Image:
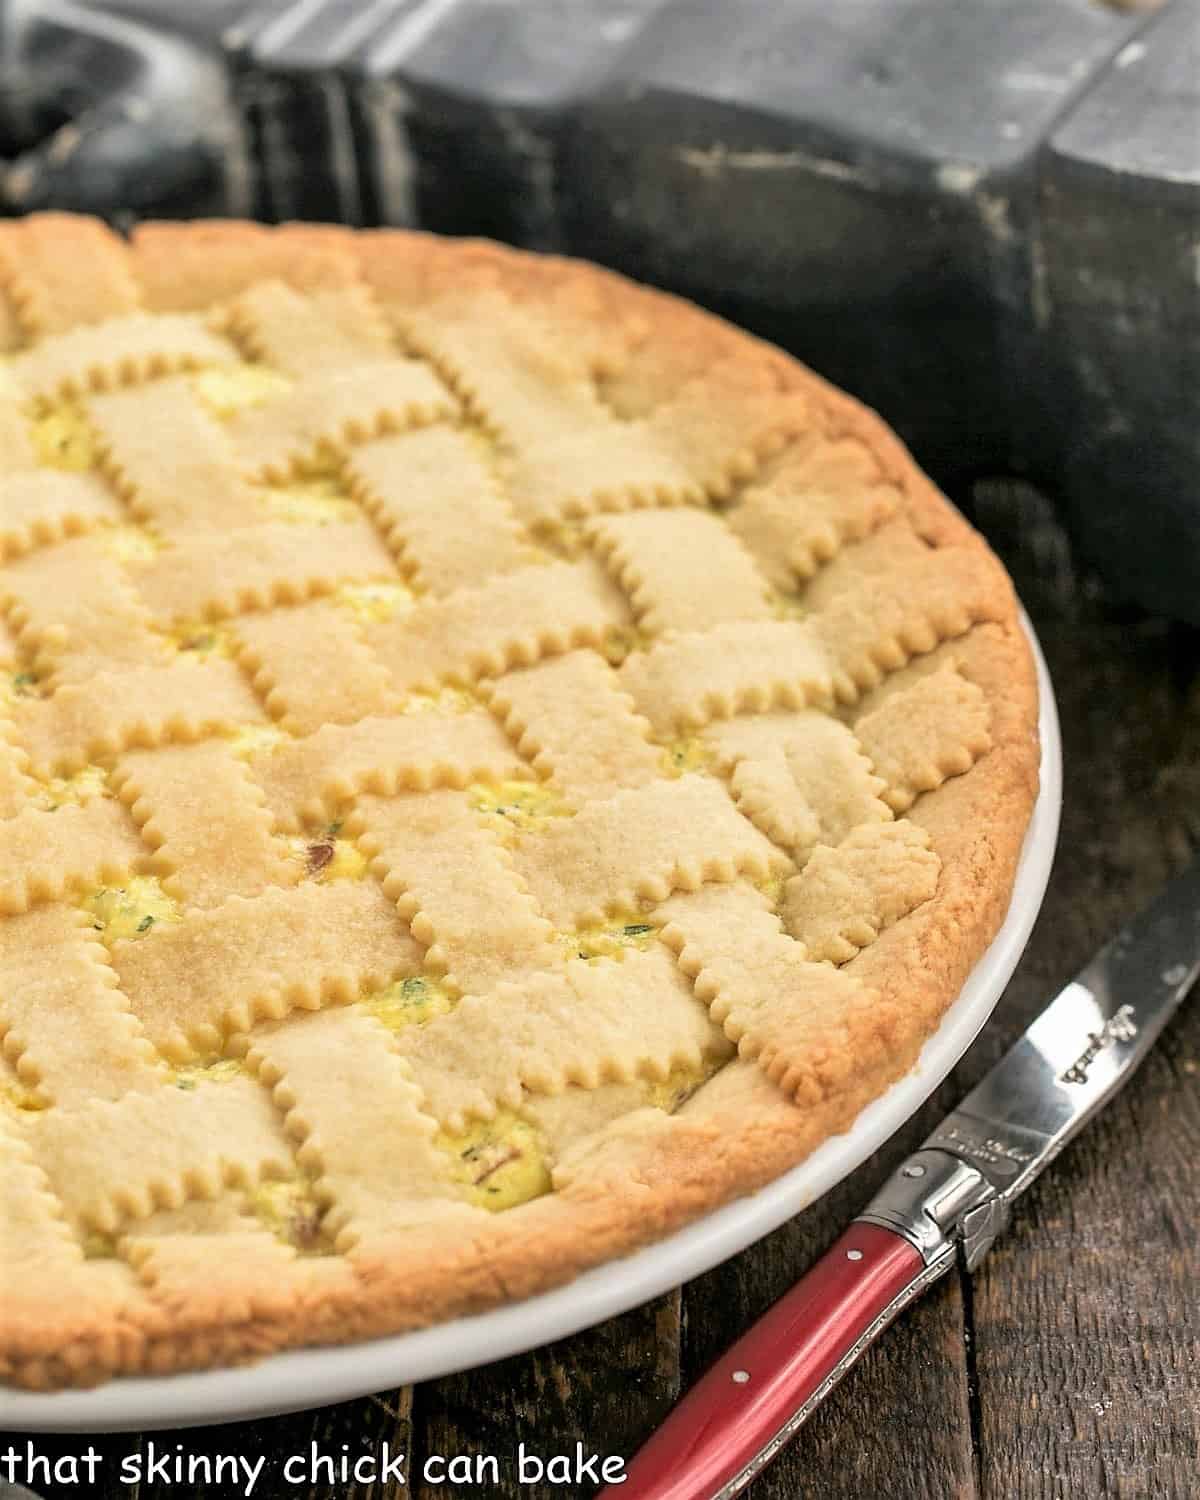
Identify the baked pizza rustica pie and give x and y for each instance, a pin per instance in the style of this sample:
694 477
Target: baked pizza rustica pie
493 763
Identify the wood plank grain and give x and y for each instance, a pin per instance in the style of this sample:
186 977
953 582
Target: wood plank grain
599 1389
1087 1337
1086 1318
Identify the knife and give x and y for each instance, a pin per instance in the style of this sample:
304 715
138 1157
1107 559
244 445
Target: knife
946 1203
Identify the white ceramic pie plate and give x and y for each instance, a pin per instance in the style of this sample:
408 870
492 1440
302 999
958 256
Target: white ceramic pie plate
315 1377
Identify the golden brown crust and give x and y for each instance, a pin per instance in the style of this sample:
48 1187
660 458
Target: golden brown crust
646 1173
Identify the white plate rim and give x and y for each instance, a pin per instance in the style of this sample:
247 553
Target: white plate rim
302 1379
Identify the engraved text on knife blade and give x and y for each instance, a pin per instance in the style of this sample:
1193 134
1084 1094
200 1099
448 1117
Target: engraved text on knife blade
1083 1046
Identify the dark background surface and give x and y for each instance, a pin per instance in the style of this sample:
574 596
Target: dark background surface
1068 1364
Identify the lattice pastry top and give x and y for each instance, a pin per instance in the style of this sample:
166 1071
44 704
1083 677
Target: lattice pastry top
493 762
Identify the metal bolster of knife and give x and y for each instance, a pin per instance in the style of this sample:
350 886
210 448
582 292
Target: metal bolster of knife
936 1200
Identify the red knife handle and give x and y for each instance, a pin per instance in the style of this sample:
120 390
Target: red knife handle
742 1411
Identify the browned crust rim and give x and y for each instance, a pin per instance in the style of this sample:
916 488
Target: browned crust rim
674 1176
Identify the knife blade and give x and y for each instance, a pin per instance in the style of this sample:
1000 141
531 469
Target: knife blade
948 1201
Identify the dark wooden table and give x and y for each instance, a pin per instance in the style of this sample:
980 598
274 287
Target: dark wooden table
1068 1364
